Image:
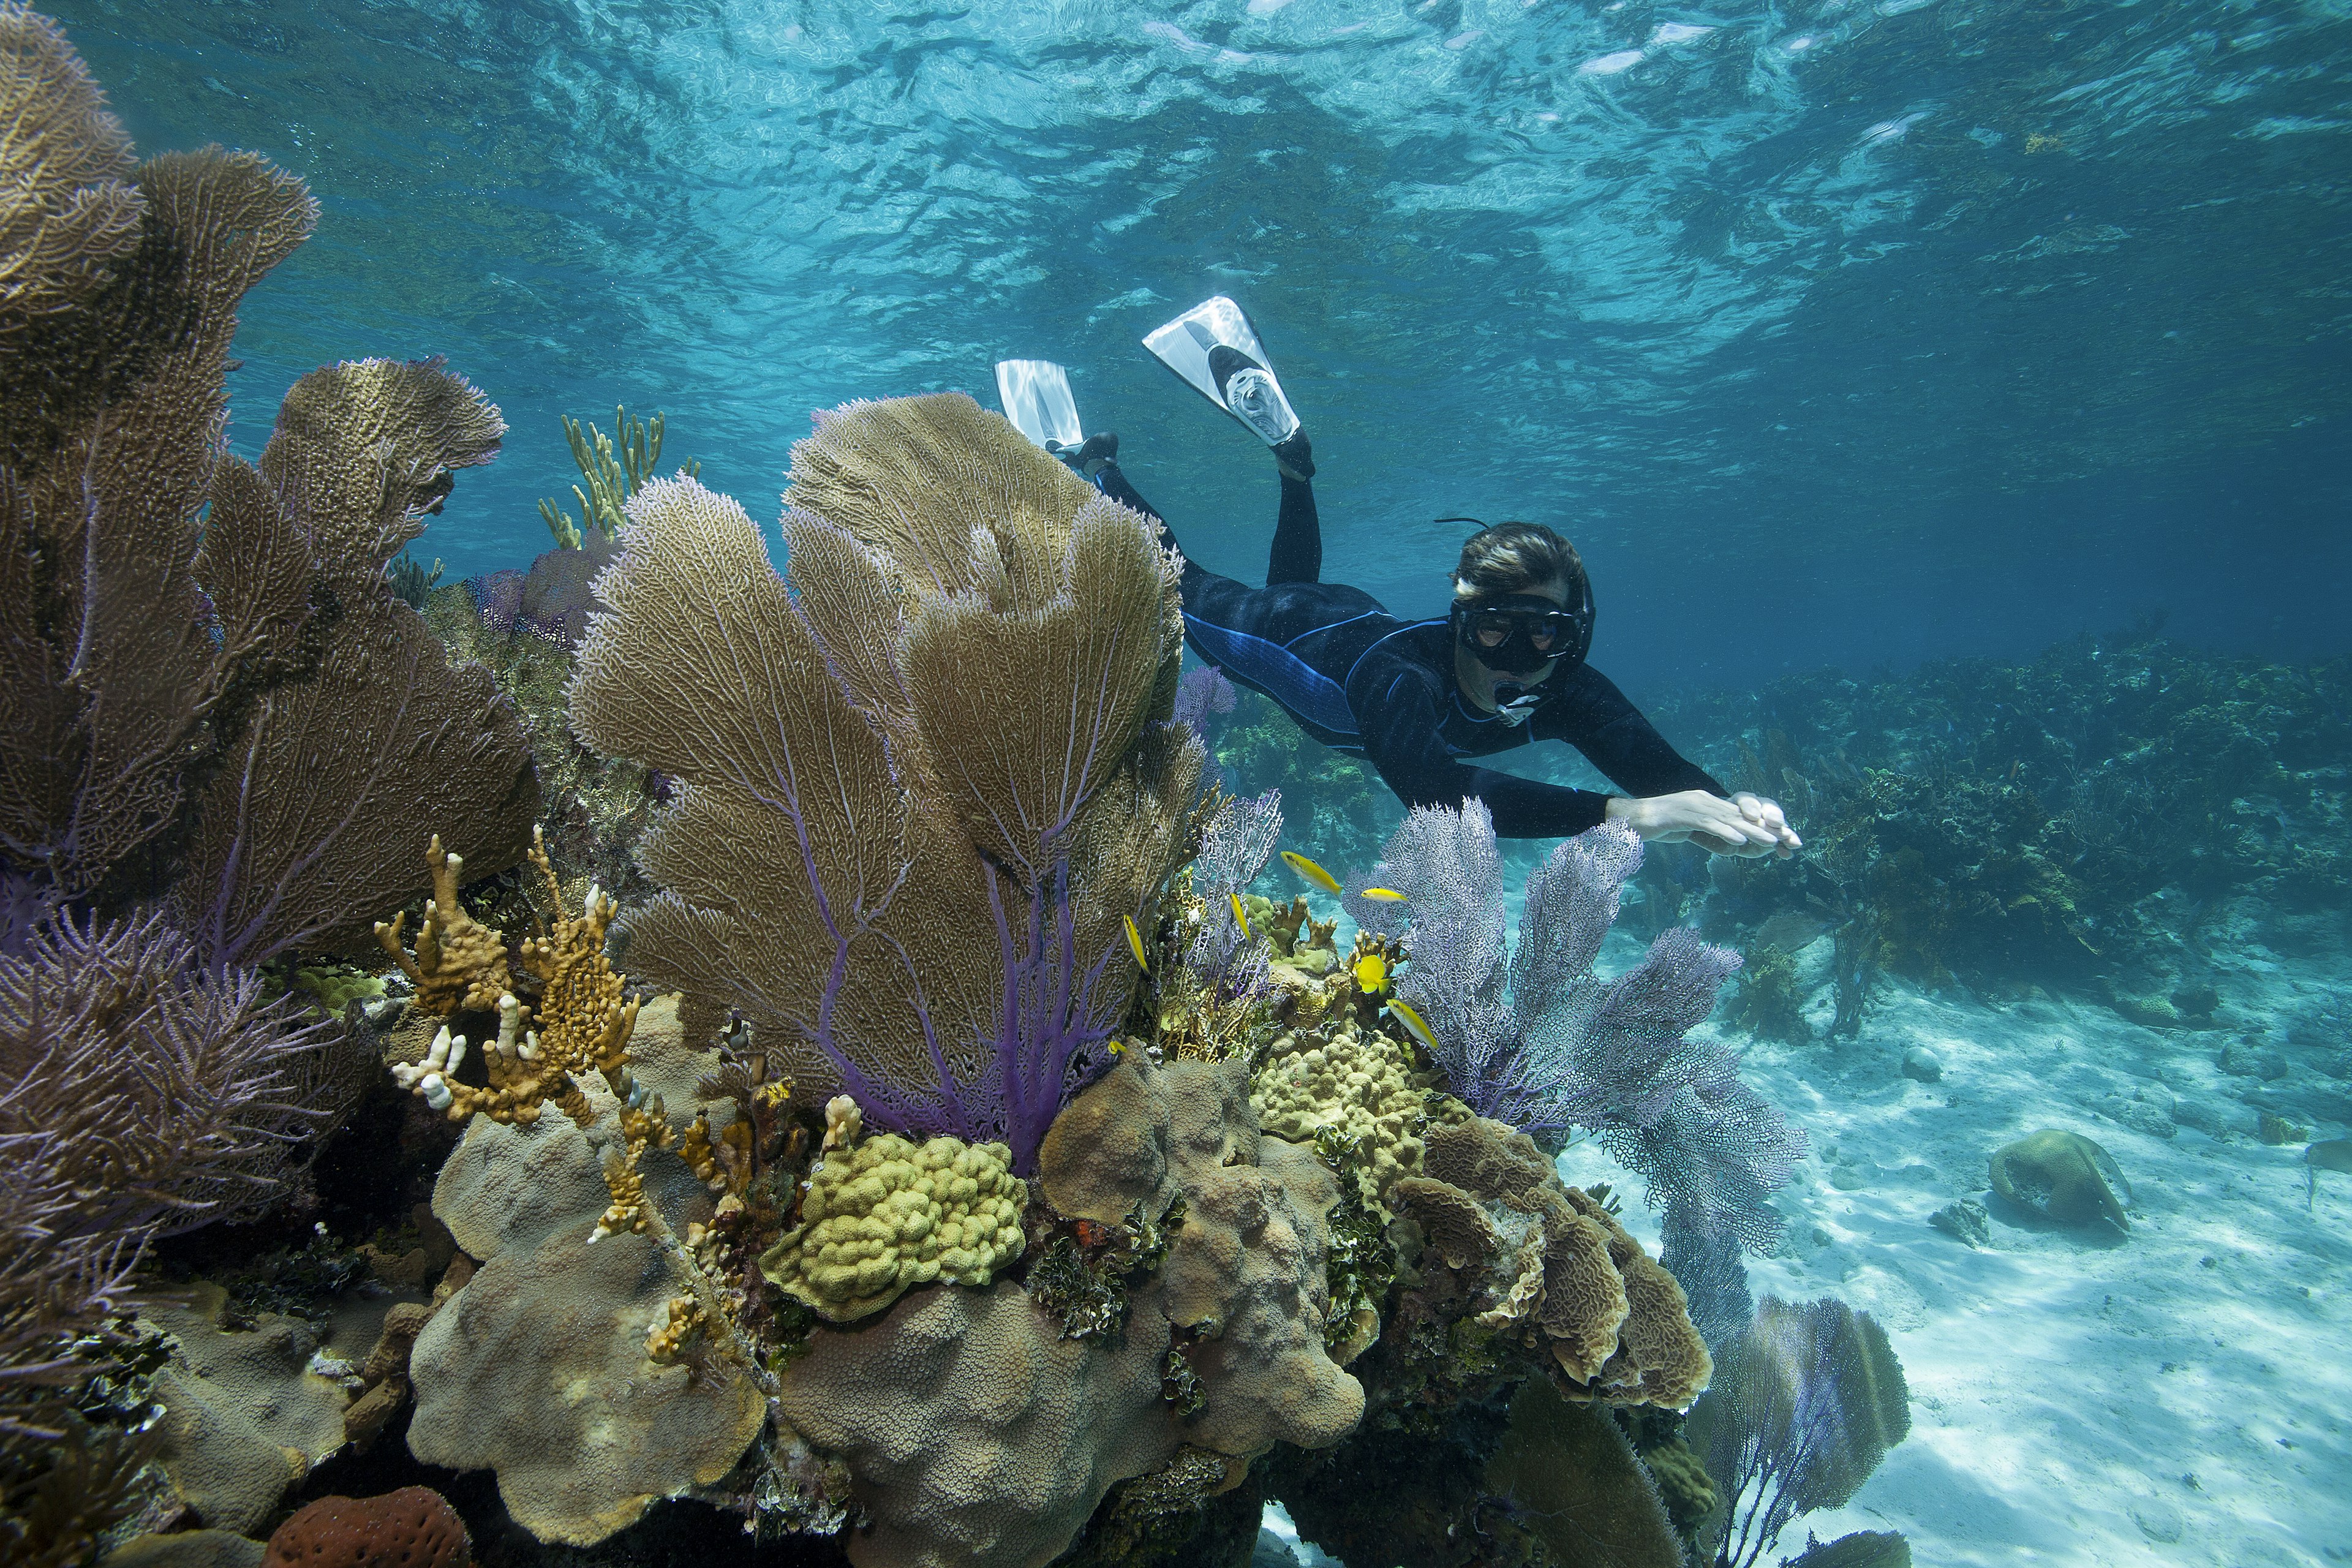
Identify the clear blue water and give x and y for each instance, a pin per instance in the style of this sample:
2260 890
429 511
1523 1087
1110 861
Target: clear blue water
1833 332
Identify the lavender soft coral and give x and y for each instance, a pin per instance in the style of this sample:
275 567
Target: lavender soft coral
1540 1041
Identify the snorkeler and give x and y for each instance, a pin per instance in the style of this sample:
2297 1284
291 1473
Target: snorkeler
1506 667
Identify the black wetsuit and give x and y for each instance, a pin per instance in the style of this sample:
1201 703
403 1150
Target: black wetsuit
1364 683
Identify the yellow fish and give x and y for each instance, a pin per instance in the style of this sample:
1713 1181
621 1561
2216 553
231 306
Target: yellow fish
1310 871
1384 895
1372 974
1411 1021
1135 944
1239 913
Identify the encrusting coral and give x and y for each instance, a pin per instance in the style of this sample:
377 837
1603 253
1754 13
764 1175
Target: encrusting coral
244 1416
554 1310
881 1214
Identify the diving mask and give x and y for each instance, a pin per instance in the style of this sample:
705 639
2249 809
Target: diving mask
1518 633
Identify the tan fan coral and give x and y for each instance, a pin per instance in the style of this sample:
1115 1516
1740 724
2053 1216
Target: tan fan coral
918 780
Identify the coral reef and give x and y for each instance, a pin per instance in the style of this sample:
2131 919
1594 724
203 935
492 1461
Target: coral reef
1244 1279
524 628
947 837
223 699
2071 821
978 1429
1804 1406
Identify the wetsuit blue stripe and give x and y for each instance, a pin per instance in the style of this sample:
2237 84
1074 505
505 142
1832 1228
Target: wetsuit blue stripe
1277 671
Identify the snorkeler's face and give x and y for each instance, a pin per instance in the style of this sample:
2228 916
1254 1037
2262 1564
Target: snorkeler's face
1516 634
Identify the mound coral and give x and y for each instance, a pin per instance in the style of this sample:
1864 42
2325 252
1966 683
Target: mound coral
883 1214
941 731
1358 1085
977 1430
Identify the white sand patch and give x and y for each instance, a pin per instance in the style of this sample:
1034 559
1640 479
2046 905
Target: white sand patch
2179 1396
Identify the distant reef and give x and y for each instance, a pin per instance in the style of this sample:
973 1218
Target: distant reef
2095 822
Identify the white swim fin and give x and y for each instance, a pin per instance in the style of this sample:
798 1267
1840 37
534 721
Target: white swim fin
1036 398
1213 347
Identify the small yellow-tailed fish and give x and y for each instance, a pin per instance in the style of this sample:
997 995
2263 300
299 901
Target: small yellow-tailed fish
1384 895
1135 944
1372 974
1239 913
1411 1021
1310 871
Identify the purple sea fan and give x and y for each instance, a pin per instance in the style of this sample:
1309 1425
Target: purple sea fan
1203 691
1565 1048
1803 1406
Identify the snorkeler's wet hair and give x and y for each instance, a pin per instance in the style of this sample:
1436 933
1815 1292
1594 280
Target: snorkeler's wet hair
1517 558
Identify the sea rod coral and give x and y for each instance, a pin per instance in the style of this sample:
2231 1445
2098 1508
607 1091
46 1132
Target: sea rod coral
921 782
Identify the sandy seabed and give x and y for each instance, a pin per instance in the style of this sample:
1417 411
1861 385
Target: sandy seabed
2179 1396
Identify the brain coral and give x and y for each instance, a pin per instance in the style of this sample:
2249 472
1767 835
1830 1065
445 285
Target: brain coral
1358 1082
976 1434
884 1214
537 1368
412 1528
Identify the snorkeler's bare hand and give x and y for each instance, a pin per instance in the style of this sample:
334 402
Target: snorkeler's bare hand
1745 825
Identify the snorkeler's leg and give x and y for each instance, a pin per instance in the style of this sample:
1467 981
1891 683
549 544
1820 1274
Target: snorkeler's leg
1298 552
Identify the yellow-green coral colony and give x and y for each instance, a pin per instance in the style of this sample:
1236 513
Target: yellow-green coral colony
883 1214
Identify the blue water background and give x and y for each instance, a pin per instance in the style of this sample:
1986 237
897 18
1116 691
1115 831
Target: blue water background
1833 332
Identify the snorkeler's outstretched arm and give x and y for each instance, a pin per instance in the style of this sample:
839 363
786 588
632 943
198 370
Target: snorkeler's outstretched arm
1401 738
1667 797
1587 710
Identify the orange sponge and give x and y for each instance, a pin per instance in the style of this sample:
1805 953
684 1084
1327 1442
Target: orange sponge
412 1528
